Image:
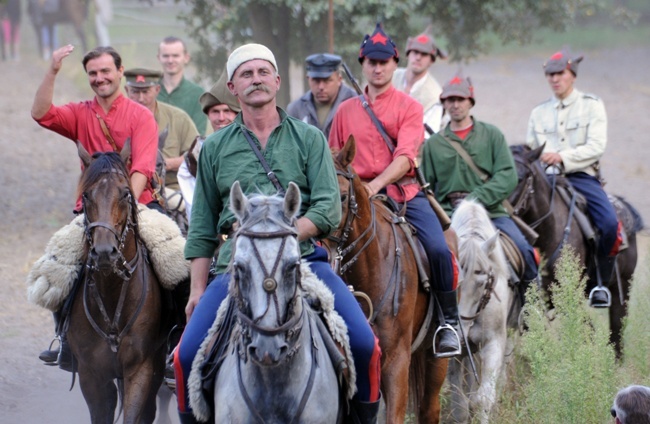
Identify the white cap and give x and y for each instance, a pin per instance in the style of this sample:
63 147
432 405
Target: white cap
247 53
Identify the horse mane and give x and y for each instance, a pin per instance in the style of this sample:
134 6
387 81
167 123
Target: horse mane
473 226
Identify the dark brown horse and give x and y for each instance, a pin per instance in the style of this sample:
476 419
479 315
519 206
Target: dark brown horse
45 14
539 204
116 327
377 259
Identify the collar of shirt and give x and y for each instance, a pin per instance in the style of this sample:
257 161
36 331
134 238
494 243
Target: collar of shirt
386 93
568 101
116 103
239 120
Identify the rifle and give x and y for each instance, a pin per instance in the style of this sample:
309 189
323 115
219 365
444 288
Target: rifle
445 222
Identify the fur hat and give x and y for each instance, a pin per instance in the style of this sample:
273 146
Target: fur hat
424 43
378 46
219 94
562 60
246 53
458 86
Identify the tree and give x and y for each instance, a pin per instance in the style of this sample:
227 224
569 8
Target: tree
293 29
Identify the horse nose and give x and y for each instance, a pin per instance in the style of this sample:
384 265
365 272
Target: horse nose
104 255
267 354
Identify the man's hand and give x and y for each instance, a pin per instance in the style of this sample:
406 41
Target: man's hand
551 158
58 56
370 190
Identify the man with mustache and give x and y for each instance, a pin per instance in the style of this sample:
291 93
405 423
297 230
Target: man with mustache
295 151
392 170
573 127
102 124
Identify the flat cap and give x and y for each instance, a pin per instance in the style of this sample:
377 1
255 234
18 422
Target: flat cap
140 77
322 65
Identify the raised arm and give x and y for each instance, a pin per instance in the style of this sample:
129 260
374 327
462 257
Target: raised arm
45 92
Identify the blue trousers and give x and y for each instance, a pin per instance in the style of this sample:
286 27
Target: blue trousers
600 209
506 225
363 343
444 274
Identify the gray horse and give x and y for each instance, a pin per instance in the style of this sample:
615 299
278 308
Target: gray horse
278 370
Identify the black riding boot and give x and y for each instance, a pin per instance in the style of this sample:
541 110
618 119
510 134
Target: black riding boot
364 412
61 356
448 342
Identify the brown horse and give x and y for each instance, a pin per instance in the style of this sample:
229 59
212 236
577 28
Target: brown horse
538 203
117 328
381 263
45 14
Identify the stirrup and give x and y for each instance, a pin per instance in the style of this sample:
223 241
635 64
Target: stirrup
608 296
54 362
446 354
168 376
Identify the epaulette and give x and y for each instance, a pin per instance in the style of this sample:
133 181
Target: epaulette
590 96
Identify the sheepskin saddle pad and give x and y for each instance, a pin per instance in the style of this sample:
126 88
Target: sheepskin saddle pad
316 293
52 276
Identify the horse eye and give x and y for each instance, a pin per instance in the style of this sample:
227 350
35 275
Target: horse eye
344 198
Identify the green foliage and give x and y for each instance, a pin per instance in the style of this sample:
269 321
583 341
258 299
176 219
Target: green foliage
572 365
636 338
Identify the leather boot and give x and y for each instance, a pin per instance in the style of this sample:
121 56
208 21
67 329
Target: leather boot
187 418
364 412
63 355
447 342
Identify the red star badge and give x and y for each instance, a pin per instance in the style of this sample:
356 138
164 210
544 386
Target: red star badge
422 39
140 78
379 38
455 81
557 56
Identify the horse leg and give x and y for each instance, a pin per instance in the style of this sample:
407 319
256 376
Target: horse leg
394 383
434 377
617 311
492 356
100 394
457 376
140 389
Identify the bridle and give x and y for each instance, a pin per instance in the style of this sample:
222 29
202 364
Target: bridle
343 251
122 267
488 291
291 327
528 190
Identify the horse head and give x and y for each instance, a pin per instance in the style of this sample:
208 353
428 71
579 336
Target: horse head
481 258
266 273
530 176
108 204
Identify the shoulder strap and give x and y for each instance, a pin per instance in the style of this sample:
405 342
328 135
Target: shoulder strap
269 172
467 158
107 134
387 139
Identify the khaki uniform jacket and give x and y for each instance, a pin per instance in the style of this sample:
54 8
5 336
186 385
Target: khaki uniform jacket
182 133
575 127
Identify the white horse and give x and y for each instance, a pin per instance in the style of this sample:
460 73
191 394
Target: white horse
484 306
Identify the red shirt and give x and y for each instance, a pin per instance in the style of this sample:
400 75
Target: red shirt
401 117
125 119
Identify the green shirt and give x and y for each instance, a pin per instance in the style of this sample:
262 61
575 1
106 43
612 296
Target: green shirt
295 151
186 97
448 172
181 134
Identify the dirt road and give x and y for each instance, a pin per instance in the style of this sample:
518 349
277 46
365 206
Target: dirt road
39 171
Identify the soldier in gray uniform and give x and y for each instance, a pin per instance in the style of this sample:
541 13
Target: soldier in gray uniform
326 92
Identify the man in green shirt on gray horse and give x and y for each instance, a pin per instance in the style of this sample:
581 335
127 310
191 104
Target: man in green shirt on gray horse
453 178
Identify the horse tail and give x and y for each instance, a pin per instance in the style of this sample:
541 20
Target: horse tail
417 382
632 220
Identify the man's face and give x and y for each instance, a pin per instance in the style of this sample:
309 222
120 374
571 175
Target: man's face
220 116
378 73
173 57
103 76
457 107
255 83
146 96
561 83
325 90
419 62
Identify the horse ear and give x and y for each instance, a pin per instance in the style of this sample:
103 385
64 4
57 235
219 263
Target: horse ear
125 154
489 244
347 153
162 137
533 155
238 202
83 154
292 201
